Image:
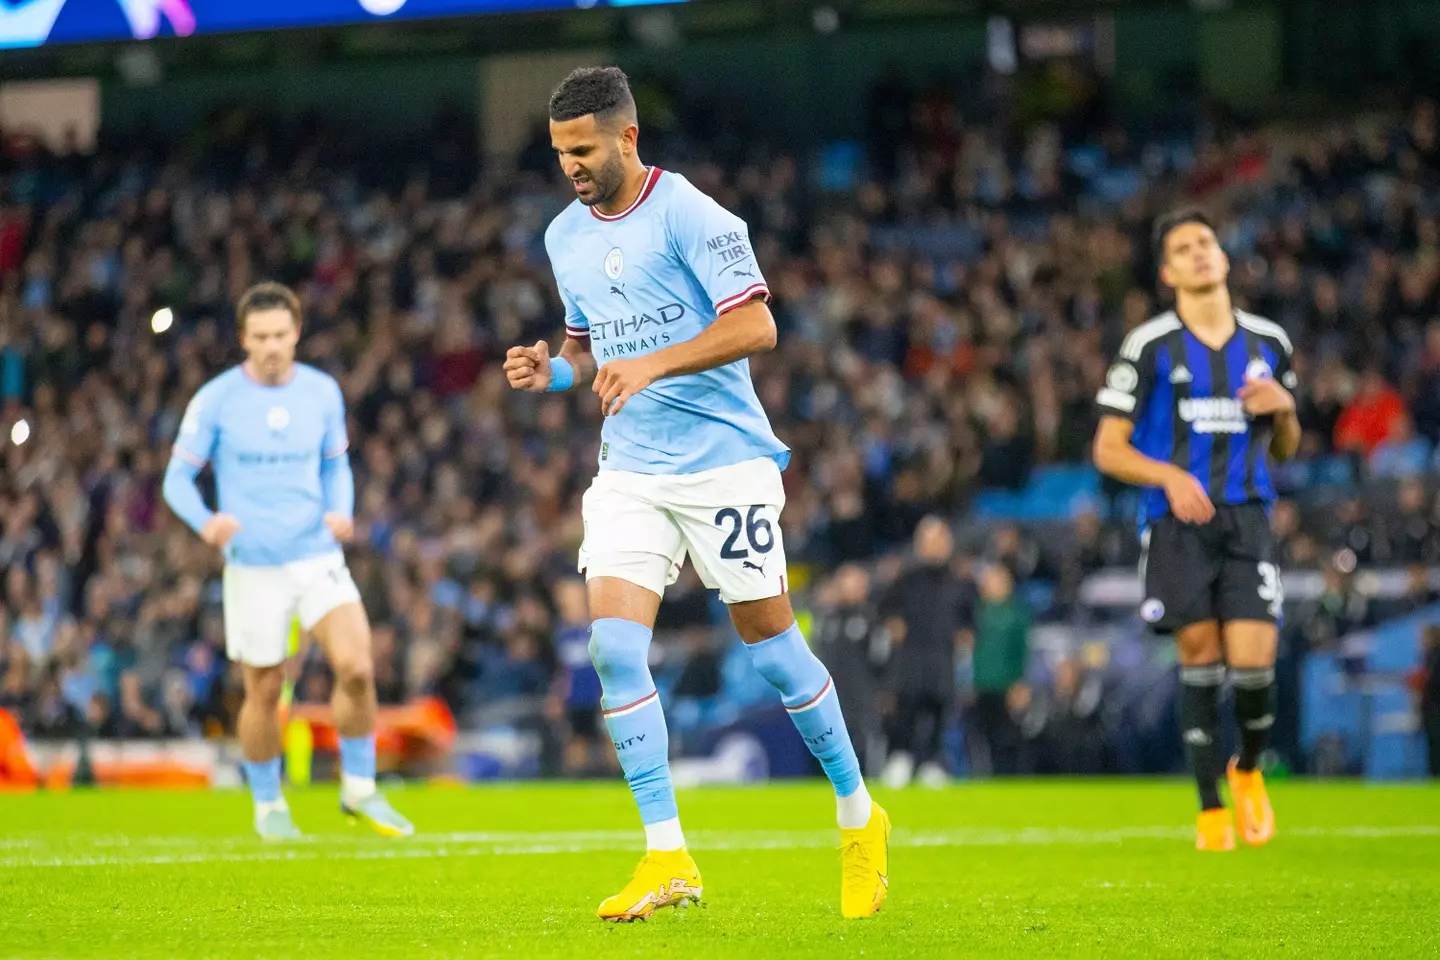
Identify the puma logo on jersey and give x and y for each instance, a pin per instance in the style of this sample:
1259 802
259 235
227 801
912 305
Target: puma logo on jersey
758 568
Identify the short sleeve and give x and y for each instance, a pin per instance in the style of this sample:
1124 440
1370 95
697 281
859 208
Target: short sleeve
576 326
337 438
1127 387
715 245
198 429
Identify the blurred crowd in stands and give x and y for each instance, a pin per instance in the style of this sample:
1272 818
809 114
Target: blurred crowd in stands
947 296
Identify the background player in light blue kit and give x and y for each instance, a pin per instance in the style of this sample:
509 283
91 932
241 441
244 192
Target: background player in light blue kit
664 301
274 432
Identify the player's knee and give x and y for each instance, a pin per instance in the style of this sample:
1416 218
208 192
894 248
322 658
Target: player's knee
263 686
619 649
354 673
758 620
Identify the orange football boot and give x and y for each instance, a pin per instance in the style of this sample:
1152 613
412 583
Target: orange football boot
1214 831
1252 804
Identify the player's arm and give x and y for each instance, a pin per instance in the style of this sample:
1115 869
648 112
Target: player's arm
192 450
738 333
714 246
337 481
1270 397
1126 392
533 369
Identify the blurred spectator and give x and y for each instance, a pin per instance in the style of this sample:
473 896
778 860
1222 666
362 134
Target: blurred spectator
51 716
15 688
1430 697
1372 417
927 610
1426 403
1068 732
178 713
851 641
1402 453
137 720
1339 609
1413 536
1352 532
1001 654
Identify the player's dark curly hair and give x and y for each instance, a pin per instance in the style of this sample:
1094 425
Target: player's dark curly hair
603 91
1169 221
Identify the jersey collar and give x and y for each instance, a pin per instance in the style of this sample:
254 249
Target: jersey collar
651 178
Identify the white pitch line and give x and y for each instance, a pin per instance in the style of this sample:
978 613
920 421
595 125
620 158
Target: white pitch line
123 851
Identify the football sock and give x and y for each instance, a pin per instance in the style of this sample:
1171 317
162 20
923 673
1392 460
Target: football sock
664 835
809 695
357 767
264 780
1254 711
1200 727
620 651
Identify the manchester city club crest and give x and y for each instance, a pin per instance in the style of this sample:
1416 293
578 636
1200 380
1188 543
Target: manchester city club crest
614 264
277 419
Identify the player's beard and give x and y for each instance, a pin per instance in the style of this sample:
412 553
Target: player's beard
608 181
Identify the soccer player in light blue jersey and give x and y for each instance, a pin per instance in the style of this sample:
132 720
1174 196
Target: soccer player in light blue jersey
664 303
273 430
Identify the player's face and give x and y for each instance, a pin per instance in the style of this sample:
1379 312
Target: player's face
1194 260
269 341
592 156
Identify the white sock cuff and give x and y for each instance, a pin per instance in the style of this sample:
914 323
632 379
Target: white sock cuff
853 812
664 835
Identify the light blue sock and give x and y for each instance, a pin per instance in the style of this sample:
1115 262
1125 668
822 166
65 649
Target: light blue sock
357 756
264 780
620 651
809 695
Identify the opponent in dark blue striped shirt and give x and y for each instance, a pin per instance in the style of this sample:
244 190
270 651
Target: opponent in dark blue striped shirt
1192 411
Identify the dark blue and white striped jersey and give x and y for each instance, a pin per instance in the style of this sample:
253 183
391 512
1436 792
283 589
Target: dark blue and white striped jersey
1181 396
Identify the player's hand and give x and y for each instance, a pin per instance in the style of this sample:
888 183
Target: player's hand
528 368
219 529
1188 500
341 526
1264 397
619 380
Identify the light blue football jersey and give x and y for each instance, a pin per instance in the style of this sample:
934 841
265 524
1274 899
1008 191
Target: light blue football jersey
279 456
655 275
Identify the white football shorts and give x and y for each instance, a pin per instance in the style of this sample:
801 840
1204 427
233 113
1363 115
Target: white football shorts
261 604
640 527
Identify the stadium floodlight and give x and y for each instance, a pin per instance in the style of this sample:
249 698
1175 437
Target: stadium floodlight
381 8
163 320
20 432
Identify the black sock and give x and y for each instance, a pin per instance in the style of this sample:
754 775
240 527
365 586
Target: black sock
1200 727
1254 711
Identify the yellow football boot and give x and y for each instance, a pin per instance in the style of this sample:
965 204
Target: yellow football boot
865 866
664 878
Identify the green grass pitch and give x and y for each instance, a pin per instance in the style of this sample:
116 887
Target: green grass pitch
1033 869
